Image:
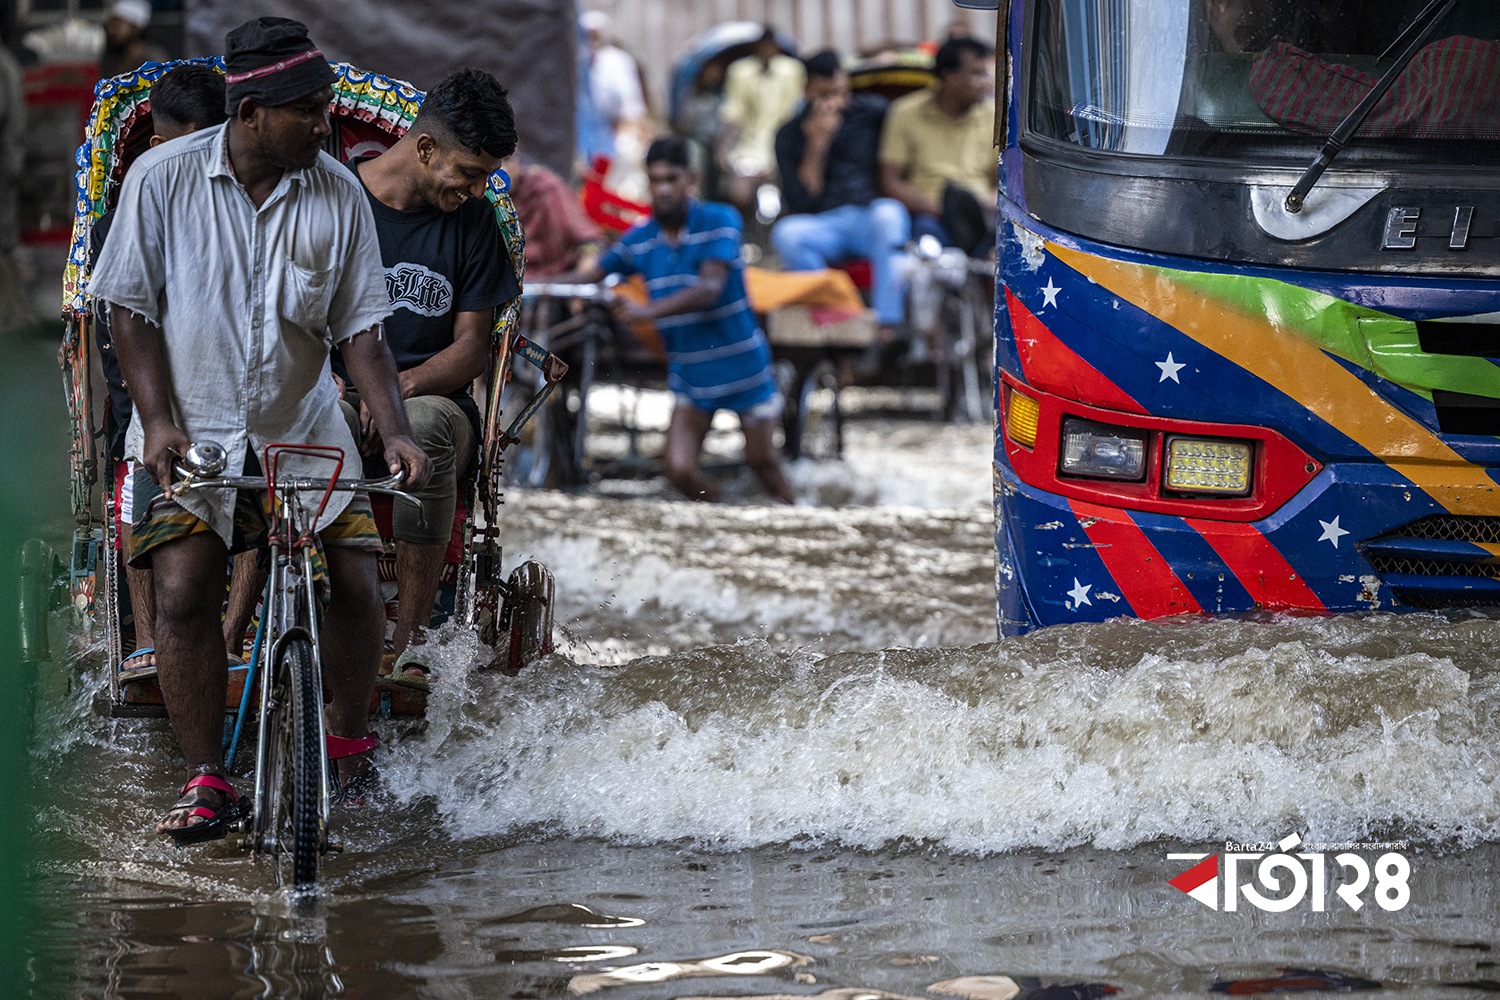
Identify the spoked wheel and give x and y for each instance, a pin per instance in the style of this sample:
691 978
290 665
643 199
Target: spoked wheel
295 772
820 420
964 358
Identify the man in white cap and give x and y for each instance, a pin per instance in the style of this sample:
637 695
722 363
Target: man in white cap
614 79
125 45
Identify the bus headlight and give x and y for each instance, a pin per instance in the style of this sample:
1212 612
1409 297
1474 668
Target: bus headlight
1206 465
1103 450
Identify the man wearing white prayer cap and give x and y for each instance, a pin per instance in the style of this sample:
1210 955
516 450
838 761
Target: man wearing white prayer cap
125 46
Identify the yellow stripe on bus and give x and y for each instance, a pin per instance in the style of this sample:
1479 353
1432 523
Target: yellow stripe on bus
1300 369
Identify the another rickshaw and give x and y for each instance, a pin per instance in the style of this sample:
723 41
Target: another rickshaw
369 112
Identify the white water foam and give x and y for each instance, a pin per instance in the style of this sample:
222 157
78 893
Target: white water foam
1111 735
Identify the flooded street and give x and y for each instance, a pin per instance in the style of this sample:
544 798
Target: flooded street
779 753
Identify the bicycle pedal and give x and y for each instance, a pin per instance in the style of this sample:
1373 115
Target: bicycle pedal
333 847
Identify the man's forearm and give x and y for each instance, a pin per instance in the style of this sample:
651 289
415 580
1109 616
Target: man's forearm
694 298
894 185
143 361
456 365
367 356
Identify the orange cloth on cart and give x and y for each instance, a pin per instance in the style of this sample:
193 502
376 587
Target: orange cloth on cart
829 288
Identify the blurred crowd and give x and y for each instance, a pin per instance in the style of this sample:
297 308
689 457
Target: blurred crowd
829 158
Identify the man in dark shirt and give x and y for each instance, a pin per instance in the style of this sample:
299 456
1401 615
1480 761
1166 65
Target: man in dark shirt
446 270
830 181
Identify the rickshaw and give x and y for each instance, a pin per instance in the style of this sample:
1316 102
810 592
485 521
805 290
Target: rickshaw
512 614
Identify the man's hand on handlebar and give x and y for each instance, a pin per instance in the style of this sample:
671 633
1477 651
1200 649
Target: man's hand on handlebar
402 455
165 442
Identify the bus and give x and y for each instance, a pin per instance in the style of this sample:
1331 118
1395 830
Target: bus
1247 334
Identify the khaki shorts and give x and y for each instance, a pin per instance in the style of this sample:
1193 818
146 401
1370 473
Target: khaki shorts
159 521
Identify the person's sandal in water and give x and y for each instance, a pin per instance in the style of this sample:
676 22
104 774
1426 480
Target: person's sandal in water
351 791
144 660
207 819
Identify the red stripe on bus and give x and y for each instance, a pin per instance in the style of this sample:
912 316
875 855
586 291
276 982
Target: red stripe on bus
1053 366
1257 564
1149 583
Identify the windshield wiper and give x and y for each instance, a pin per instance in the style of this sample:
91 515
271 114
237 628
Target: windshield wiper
1414 37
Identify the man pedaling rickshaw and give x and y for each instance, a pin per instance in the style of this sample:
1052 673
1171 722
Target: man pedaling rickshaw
238 256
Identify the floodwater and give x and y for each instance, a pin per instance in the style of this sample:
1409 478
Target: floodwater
780 754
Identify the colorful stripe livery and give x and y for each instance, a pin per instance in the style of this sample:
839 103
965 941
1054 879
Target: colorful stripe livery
1359 502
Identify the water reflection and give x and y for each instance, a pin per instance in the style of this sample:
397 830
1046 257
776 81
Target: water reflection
740 963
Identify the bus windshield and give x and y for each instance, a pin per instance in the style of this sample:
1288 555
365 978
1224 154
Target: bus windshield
1265 80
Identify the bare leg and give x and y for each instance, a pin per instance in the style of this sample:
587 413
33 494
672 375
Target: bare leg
685 436
417 570
246 583
352 635
189 576
142 606
763 459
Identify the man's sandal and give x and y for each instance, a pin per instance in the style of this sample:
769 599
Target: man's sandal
137 673
216 818
353 791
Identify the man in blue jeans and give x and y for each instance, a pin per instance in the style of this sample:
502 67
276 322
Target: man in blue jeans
830 182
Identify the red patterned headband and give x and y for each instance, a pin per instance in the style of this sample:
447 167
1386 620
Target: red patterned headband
276 67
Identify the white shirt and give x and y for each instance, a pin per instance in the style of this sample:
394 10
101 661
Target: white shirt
615 85
249 301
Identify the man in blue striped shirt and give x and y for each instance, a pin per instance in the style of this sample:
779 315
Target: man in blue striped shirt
717 358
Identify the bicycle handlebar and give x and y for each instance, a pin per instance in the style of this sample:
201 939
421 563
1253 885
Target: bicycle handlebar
594 291
388 485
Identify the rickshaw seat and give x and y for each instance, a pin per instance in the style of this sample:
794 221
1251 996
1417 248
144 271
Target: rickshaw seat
858 269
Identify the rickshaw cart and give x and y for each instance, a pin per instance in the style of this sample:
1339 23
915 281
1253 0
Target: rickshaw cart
369 113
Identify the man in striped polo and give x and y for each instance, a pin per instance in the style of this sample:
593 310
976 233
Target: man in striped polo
717 358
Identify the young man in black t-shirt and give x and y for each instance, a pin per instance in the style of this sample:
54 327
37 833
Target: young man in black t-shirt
447 270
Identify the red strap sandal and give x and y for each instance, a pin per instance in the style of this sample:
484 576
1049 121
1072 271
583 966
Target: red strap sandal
216 818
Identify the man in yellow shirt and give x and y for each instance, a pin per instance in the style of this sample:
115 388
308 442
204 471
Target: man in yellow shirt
937 153
760 93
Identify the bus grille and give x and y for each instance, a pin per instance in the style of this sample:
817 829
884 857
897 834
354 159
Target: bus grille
1436 561
1453 527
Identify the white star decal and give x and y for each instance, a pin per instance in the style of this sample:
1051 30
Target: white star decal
1080 593
1331 532
1169 369
1049 294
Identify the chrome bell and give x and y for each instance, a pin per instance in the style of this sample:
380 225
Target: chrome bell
205 459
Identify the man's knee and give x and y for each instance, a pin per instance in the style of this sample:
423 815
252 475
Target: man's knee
890 221
431 426
794 236
353 579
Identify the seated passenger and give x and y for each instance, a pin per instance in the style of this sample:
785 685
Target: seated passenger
937 153
760 93
717 357
446 271
830 185
183 100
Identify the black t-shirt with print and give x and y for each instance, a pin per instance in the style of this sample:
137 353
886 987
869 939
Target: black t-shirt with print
438 264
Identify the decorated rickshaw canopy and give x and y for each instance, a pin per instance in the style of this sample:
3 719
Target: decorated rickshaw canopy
369 111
